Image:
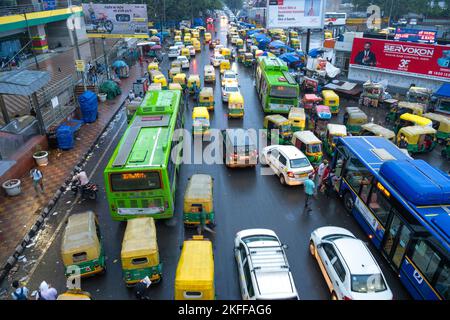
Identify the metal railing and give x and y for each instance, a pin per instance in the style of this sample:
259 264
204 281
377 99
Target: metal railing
35 7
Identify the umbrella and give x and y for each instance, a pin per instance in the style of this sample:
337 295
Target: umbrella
289 57
314 53
156 47
119 64
277 44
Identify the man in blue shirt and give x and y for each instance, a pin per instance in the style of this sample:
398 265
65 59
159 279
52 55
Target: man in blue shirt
309 193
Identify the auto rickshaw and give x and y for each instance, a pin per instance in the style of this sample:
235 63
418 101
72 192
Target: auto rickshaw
208 38
331 99
318 120
446 150
293 34
177 32
198 198
82 249
295 43
403 107
226 53
140 254
309 101
408 119
74 294
354 118
224 65
309 144
180 79
373 129
152 66
240 43
441 124
206 98
197 45
175 64
280 123
193 78
333 132
372 94
390 103
248 59
328 34
153 32
297 118
235 105
209 74
418 139
200 121
177 38
419 95
173 72
310 85
194 277
185 52
240 55
155 87
187 40
175 86
157 77
195 34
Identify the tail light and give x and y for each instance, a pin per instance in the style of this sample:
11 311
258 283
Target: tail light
290 174
346 298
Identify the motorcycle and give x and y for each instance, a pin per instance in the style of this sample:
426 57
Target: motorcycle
88 191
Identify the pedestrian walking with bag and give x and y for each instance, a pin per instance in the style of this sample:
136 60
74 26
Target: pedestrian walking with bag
46 292
37 177
20 292
309 193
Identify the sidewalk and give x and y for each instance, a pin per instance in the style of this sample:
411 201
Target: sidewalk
19 214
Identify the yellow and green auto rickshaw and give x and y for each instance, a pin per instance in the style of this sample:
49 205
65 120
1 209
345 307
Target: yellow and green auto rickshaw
294 43
195 34
224 65
173 72
197 45
177 32
208 37
198 201
194 277
153 66
187 40
333 132
82 250
309 144
75 294
226 53
248 59
408 119
417 139
185 52
331 99
209 74
293 34
441 124
156 76
200 121
175 64
240 55
235 105
193 78
354 118
140 254
373 129
175 86
297 118
180 78
280 123
206 98
403 107
240 43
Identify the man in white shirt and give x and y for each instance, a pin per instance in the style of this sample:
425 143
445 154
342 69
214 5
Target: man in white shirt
82 178
320 171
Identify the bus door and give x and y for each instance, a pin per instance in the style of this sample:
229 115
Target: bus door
396 239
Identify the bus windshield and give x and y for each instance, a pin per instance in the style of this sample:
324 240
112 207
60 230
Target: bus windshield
283 92
135 181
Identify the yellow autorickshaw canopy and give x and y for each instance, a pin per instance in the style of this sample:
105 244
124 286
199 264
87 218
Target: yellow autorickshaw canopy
330 95
194 78
378 130
336 129
275 118
153 66
444 121
357 117
199 190
74 295
140 240
412 133
418 120
297 113
307 137
80 236
207 92
236 98
200 112
175 86
225 51
417 108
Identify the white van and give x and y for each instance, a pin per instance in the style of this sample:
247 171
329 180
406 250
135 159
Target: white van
174 52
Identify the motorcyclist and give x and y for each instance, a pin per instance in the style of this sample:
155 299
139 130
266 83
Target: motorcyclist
81 179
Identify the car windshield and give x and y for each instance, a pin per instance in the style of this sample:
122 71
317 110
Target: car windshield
232 89
259 238
230 76
285 128
314 148
365 283
299 163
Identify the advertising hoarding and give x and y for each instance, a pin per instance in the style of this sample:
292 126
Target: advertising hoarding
295 14
116 20
424 60
415 35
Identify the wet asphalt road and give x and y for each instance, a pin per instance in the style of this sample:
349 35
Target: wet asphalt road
242 199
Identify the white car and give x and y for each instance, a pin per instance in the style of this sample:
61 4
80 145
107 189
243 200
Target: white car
288 163
402 21
413 22
216 59
184 62
227 89
218 48
191 50
264 272
174 52
179 44
229 77
347 265
234 39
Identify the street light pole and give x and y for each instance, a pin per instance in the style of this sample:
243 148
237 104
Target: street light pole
31 41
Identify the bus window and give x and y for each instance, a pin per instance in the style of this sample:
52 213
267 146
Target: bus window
426 259
357 174
379 204
443 282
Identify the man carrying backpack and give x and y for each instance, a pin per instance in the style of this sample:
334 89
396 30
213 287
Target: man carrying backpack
20 292
37 176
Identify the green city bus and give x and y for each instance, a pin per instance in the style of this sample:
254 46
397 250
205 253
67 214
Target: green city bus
277 89
140 178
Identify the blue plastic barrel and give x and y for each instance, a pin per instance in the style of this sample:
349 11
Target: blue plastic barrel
88 106
65 137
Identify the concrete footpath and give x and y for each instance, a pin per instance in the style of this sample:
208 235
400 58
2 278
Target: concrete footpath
21 216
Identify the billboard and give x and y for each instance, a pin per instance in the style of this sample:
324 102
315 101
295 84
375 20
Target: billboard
425 60
115 20
295 13
415 35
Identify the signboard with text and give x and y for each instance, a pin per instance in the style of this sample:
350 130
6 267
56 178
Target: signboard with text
116 20
295 13
426 60
415 35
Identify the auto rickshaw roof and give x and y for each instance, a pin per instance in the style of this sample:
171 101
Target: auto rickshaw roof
175 86
421 90
180 75
337 129
417 130
224 49
74 294
276 118
208 67
235 97
312 97
207 91
200 187
200 112
297 113
139 238
379 130
175 69
329 94
196 264
442 119
307 137
248 55
323 109
411 105
421 121
80 233
155 86
352 109
357 115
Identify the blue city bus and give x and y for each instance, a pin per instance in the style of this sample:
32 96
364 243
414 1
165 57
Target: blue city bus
403 205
